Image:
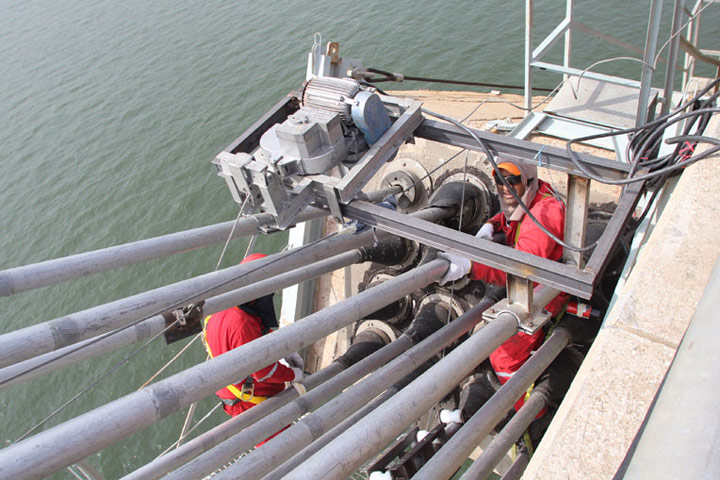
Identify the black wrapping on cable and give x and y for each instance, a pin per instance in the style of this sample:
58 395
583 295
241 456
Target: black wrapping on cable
429 319
366 343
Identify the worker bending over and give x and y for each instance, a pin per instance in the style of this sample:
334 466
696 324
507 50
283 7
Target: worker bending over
236 326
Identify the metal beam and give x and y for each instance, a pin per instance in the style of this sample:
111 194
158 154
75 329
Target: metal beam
578 199
521 150
649 59
607 241
672 56
586 74
551 39
547 272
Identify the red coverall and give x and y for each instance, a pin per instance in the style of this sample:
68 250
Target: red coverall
526 236
231 328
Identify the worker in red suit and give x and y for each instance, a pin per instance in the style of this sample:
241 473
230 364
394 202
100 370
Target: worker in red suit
525 235
236 326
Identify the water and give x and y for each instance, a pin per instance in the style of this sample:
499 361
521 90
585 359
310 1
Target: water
112 112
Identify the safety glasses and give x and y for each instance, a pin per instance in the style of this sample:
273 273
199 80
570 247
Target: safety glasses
512 180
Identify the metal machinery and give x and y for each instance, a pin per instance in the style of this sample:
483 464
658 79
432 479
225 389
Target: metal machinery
309 150
320 146
311 155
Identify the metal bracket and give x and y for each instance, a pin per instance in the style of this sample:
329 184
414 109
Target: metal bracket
576 217
519 304
303 193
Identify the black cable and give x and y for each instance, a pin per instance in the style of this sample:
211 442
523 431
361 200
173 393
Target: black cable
391 77
650 134
647 176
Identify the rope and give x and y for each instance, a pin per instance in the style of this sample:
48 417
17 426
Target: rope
199 422
169 362
191 410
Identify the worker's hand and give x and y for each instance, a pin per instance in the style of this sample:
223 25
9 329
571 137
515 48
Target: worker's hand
295 360
459 267
299 375
486 232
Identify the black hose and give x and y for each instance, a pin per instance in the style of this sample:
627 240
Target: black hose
390 77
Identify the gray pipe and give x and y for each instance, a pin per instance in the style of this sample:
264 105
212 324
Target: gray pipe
452 455
28 277
60 446
37 339
45 337
243 441
310 428
518 467
349 450
318 444
178 457
494 453
74 353
672 56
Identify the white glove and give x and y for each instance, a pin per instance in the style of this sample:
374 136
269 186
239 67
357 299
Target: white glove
295 360
299 375
459 267
486 231
450 416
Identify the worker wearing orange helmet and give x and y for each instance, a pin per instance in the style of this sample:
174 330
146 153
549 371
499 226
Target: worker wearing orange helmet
522 233
236 326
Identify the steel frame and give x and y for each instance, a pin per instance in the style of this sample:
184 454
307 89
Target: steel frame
566 277
571 277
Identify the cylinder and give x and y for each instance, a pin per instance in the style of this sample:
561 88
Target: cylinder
491 456
452 455
349 450
318 444
518 467
181 455
74 353
75 439
243 441
311 427
45 337
28 277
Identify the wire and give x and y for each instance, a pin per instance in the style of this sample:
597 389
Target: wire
172 360
521 204
139 349
679 31
650 134
398 77
444 162
205 417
